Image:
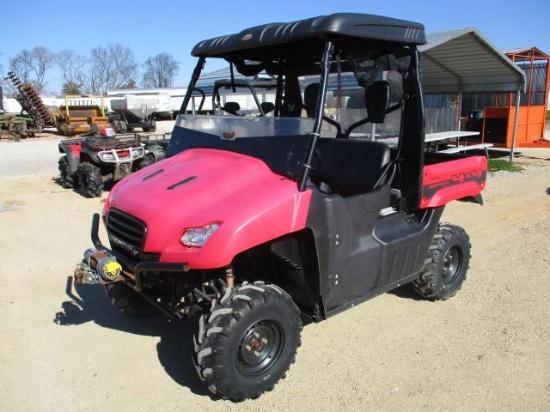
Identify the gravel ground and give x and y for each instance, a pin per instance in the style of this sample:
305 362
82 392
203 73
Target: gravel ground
33 156
67 349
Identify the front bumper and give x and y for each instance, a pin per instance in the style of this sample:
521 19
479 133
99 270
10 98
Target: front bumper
103 265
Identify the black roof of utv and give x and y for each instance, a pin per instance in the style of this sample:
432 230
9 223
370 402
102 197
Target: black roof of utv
361 26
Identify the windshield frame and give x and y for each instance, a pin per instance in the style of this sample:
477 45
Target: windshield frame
335 58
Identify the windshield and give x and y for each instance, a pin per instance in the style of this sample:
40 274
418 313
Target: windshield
281 143
268 116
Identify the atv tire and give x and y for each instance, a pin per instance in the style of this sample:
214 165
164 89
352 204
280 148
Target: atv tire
151 127
248 341
447 263
91 181
147 160
68 179
128 301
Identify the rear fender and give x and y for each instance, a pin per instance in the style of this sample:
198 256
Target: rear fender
453 180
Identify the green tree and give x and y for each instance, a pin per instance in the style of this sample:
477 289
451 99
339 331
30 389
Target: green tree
69 88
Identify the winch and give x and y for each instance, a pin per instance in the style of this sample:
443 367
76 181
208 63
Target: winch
97 266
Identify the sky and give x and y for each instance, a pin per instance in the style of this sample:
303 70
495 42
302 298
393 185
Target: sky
174 27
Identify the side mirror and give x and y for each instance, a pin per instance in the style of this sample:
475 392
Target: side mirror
377 97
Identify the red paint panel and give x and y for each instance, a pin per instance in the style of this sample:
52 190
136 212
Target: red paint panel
202 186
452 180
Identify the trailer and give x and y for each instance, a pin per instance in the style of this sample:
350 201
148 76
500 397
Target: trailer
146 106
124 120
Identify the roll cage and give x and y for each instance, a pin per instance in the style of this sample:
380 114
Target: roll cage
323 49
252 86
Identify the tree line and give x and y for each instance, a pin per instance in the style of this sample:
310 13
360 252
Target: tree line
111 67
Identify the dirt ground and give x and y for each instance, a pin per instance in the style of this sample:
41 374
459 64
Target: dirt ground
486 349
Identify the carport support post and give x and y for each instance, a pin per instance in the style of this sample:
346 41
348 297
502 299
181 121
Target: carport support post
516 117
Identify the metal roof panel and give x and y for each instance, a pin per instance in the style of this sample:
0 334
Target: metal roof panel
465 61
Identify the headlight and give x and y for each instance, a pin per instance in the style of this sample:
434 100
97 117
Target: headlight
139 152
197 237
106 156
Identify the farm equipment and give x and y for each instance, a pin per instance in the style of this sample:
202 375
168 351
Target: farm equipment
80 113
34 116
89 162
16 126
254 223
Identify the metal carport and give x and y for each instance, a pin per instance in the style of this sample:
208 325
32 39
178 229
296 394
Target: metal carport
464 61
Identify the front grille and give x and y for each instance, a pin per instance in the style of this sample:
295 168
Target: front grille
126 234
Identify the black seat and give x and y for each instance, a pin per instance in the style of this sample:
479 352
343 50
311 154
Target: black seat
311 93
267 107
292 101
232 108
350 167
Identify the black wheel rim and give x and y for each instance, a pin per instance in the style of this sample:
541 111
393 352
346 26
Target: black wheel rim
260 347
451 265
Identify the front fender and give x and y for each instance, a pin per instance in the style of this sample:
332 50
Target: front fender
72 151
243 231
198 187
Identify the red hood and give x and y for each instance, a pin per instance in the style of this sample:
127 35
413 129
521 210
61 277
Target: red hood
202 186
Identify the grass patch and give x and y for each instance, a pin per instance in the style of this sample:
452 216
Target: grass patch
496 165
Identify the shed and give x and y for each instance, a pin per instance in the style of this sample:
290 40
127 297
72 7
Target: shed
464 61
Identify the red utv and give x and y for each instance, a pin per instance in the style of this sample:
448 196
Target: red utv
257 222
